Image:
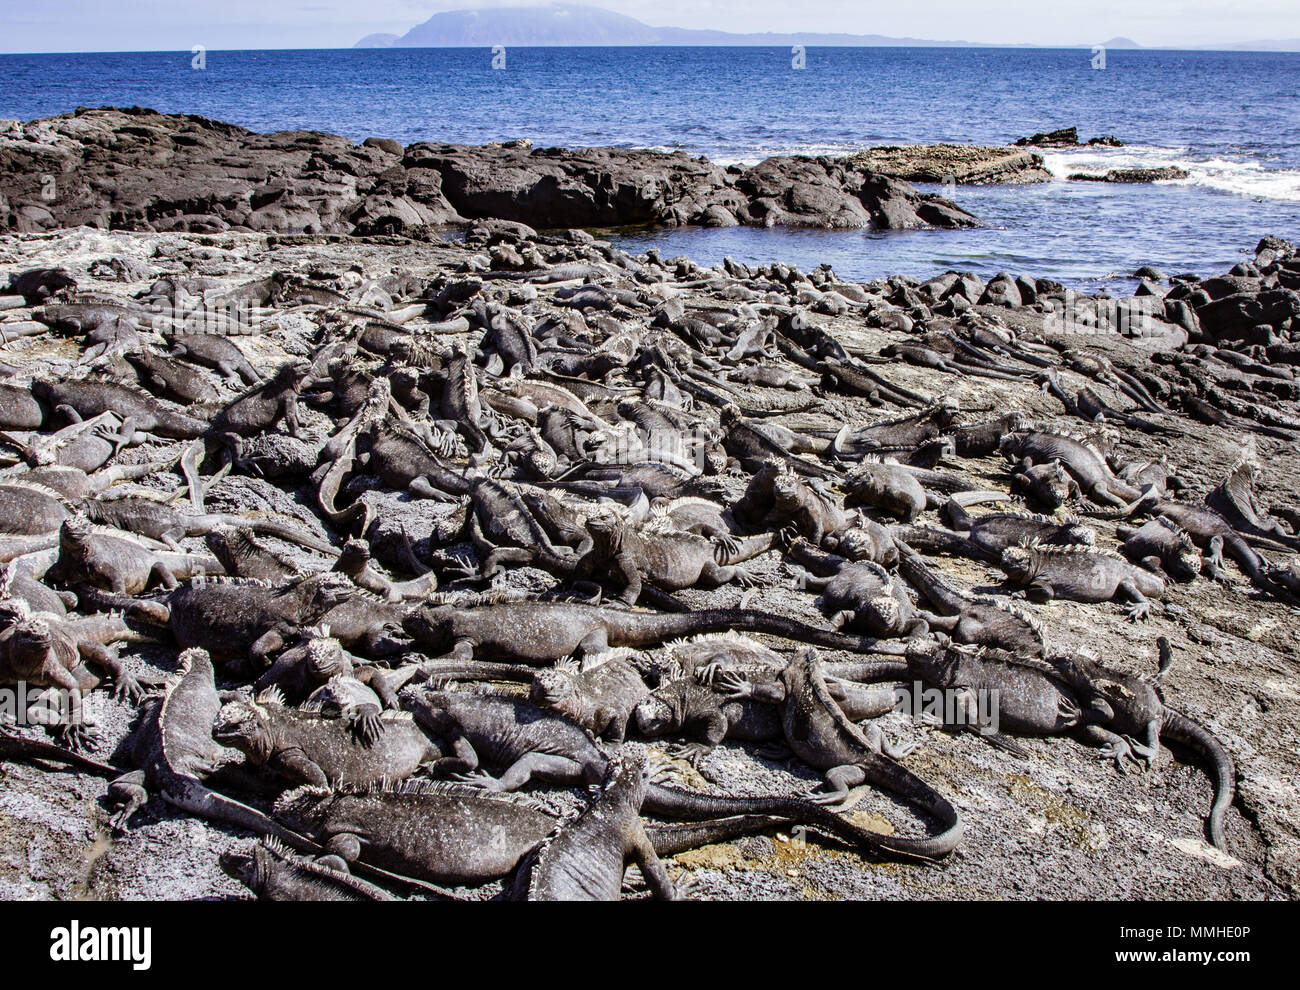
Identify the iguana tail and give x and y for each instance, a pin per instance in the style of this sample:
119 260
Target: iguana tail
270 527
669 802
644 628
1182 729
669 840
15 747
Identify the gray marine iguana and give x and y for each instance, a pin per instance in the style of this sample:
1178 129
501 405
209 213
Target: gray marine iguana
542 632
175 752
1081 573
308 747
585 859
820 735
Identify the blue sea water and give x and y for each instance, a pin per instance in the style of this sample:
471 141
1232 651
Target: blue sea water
1231 119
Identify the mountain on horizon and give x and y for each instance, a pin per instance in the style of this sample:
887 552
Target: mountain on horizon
566 24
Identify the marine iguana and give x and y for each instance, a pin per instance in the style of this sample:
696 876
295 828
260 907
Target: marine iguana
87 399
541 632
1084 463
173 748
858 595
585 859
159 521
693 706
514 734
1234 499
601 699
1127 715
274 873
41 649
977 621
984 537
170 379
243 556
306 747
441 832
667 561
240 619
1084 574
112 560
1161 546
215 351
824 738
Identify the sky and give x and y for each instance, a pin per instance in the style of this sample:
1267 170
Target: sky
178 25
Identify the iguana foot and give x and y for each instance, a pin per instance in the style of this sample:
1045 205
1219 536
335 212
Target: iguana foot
77 736
727 544
481 779
1118 750
366 727
731 684
1139 612
692 752
128 690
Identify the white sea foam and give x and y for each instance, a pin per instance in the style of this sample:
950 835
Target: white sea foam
1243 178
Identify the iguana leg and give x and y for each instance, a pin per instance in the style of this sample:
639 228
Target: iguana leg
843 618
344 845
656 877
1141 608
296 765
266 644
839 781
125 686
162 574
1113 747
592 646
1040 591
130 792
423 488
713 575
881 744
464 761
553 769
691 752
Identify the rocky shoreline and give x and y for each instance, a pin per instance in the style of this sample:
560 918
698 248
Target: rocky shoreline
136 169
532 361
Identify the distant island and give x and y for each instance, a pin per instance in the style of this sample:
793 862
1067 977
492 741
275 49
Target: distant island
564 25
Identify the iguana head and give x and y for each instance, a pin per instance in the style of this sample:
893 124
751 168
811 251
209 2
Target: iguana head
250 869
325 655
787 490
654 716
607 532
551 688
30 643
74 534
1020 563
883 613
12 612
245 726
860 543
329 589
352 561
302 807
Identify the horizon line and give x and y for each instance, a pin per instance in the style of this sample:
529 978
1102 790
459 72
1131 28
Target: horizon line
945 45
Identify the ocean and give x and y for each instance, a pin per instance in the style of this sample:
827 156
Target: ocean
1231 119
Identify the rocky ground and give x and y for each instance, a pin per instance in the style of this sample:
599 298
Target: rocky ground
1061 823
963 164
